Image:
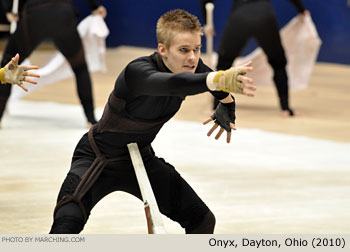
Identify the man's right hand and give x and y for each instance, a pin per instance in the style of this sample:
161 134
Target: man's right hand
11 17
209 30
16 74
101 10
232 80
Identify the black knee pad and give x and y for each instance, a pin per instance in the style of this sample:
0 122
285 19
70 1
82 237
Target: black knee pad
206 226
68 219
68 188
69 185
67 225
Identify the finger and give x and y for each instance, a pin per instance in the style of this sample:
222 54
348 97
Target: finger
233 126
246 69
218 135
247 94
248 64
31 67
245 86
243 78
32 74
23 87
210 119
228 138
29 81
16 58
248 86
212 129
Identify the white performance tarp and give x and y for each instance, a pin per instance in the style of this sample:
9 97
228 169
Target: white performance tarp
93 32
172 142
301 44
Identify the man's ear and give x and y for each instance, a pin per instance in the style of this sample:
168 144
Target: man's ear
162 50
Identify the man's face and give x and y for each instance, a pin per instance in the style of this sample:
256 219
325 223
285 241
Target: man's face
183 53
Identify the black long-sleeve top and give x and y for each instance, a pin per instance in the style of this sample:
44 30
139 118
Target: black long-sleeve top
298 4
7 4
151 95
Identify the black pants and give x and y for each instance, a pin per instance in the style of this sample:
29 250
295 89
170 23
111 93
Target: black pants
55 22
175 198
255 20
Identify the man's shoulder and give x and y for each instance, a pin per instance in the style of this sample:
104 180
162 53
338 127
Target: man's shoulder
143 59
142 63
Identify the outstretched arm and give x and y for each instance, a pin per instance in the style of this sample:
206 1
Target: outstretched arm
144 78
14 74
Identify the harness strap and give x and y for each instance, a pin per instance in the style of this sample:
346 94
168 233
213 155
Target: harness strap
92 174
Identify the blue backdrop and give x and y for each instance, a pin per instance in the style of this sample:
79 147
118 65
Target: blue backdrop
132 22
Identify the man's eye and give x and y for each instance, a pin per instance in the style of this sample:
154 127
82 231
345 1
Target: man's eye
183 50
196 49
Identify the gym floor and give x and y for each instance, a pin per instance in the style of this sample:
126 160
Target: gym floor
278 175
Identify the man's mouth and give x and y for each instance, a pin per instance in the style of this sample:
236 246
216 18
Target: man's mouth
189 67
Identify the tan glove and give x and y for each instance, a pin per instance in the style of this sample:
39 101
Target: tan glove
228 81
2 76
13 73
232 80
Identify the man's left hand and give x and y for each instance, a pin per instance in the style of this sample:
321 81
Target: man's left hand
223 116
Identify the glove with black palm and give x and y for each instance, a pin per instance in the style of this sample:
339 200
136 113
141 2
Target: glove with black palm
225 117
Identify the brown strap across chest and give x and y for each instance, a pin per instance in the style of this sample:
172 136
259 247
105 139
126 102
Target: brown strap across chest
116 119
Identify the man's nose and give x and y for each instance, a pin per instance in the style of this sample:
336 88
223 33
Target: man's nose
191 55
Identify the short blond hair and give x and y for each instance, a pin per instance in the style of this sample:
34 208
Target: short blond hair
176 21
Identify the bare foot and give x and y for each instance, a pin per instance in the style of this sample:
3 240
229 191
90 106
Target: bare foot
289 113
285 114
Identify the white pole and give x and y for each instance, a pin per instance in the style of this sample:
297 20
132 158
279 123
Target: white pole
13 26
209 7
146 190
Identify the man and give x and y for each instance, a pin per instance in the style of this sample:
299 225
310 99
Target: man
255 19
52 20
147 93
